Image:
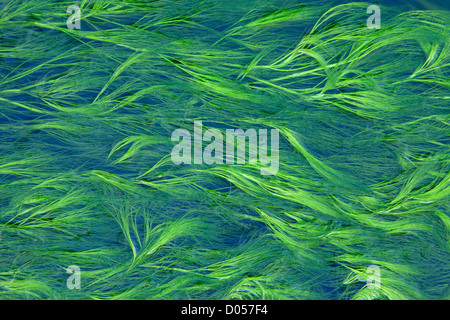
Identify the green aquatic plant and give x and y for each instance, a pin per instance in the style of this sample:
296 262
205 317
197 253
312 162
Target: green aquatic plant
86 178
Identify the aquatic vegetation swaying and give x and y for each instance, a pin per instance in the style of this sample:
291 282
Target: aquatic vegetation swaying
86 178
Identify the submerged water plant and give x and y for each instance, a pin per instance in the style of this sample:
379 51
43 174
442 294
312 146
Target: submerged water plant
86 178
